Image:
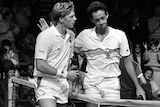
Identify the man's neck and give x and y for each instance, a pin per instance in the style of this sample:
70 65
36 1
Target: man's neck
102 33
61 29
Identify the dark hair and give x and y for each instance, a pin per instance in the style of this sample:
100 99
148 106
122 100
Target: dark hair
154 41
147 68
142 50
141 46
6 42
95 6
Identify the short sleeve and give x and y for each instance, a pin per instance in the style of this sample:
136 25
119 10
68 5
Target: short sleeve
42 47
79 41
124 45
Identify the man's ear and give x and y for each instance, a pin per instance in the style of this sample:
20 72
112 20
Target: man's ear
61 19
91 20
107 14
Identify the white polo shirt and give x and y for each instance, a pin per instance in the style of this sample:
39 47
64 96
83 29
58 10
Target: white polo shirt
54 48
103 56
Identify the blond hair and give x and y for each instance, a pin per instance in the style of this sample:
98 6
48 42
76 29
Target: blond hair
61 9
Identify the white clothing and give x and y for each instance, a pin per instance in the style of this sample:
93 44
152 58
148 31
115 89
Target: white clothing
108 89
54 48
102 56
53 89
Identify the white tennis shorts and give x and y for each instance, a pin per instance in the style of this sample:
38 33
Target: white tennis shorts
56 89
109 88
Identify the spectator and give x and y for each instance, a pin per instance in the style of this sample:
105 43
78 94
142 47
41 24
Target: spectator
9 16
11 59
136 27
26 50
151 88
137 54
152 57
7 31
30 69
23 14
154 24
9 54
25 92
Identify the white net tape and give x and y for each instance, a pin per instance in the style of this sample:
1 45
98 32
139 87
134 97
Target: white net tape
82 97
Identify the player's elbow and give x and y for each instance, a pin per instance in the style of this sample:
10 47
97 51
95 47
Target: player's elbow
39 64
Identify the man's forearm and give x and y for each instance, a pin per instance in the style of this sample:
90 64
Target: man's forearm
45 68
131 71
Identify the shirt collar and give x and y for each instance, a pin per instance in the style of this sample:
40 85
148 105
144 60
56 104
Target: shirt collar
59 34
55 30
94 34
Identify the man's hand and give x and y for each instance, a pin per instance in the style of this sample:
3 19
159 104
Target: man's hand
140 91
72 74
43 24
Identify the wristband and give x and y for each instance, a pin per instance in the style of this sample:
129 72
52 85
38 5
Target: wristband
141 74
61 74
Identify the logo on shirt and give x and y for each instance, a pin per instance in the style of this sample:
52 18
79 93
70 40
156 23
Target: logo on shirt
41 51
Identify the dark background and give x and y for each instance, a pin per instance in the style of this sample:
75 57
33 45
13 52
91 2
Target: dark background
41 8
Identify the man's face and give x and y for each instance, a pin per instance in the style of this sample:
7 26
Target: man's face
69 20
99 18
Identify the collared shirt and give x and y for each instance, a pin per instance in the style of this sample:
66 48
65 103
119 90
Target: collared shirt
103 56
54 48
